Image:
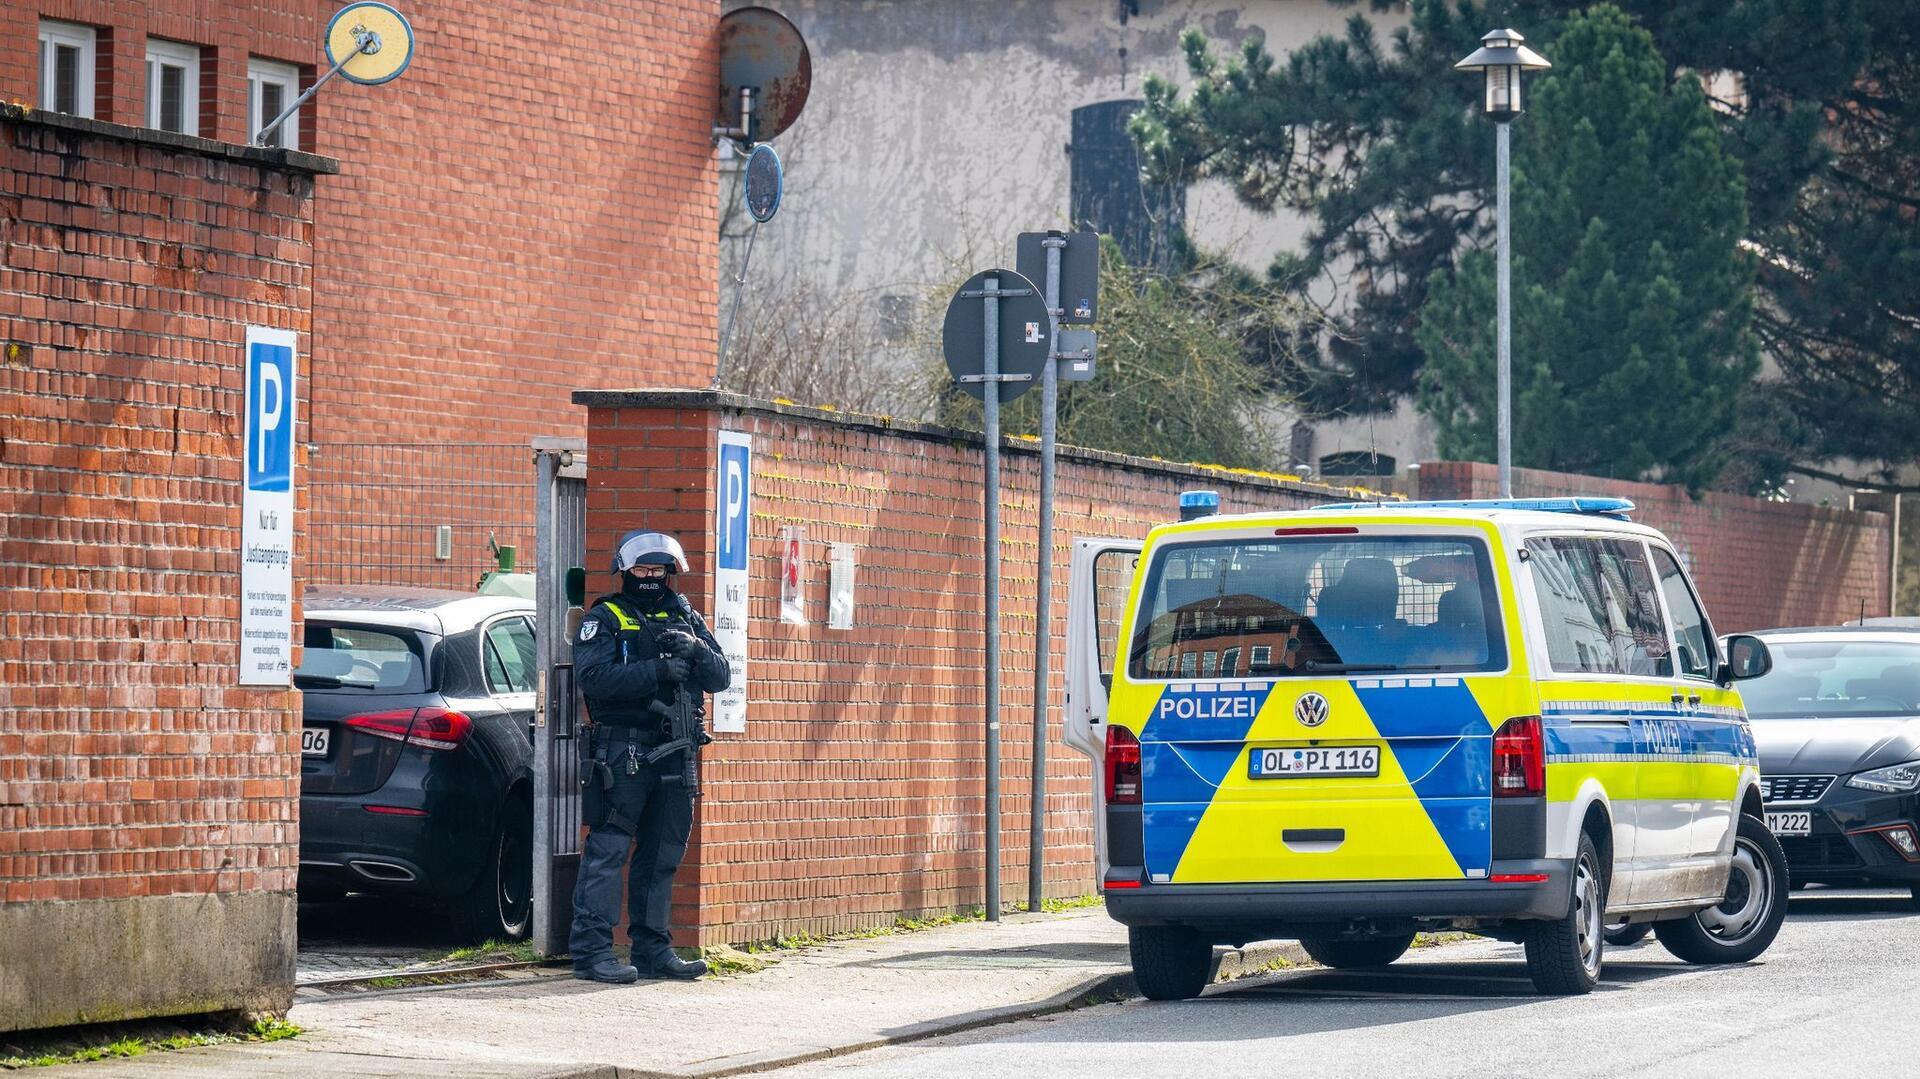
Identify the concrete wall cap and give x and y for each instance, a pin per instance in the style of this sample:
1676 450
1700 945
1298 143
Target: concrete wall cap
724 401
264 156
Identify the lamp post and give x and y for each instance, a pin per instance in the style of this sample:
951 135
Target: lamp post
1501 58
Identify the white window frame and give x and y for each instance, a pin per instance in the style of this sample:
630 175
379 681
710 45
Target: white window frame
259 73
74 35
180 54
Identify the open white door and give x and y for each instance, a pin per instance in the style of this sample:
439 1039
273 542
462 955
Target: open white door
1101 579
1102 576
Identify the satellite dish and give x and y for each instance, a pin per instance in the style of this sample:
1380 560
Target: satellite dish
766 181
374 41
765 74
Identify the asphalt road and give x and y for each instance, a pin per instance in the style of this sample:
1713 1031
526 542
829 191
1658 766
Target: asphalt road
1834 996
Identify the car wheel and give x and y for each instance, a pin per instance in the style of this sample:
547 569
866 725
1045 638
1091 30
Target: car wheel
1745 922
1564 955
499 906
1357 954
1170 962
1622 934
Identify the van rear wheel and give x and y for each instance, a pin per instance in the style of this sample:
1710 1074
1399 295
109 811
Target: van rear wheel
1351 954
1564 955
1749 916
1170 962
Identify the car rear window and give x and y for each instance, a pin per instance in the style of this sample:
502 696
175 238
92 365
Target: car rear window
1307 606
361 658
1831 679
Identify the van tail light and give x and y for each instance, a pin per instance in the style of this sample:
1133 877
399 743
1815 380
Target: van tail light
1123 767
429 728
1519 759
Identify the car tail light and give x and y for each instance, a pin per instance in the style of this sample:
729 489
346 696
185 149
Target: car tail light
1123 767
1519 759
429 728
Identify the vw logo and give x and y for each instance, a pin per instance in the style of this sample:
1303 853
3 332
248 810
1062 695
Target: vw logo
1311 709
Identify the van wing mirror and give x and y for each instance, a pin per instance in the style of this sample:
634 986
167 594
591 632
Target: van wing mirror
1747 657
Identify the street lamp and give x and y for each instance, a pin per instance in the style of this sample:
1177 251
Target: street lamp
1501 58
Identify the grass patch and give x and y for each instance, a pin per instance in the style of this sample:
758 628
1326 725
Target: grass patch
757 955
493 951
1429 940
81 1045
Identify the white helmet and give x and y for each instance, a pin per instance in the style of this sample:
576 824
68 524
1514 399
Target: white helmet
642 548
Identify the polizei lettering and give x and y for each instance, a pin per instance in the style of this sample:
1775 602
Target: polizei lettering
1203 706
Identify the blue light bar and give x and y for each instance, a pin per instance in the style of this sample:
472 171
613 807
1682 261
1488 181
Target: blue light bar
1616 508
1198 504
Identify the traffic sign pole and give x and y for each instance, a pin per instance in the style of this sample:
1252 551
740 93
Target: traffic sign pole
1043 588
991 585
994 354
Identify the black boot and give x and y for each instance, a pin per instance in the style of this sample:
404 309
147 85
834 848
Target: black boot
609 970
665 964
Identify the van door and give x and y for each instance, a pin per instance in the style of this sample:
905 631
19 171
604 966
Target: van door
1715 731
1099 581
1606 693
1317 706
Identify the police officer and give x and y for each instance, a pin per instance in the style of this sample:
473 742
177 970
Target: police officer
640 653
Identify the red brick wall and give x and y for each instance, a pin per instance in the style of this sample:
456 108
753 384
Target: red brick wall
1758 564
855 795
131 763
511 222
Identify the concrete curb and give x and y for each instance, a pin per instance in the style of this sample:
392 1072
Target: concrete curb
1105 989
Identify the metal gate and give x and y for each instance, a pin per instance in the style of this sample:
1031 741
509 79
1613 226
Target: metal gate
560 545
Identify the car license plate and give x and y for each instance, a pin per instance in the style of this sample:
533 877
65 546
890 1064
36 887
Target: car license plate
313 741
1790 823
1300 762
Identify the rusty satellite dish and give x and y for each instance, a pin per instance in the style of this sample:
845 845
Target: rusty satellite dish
765 74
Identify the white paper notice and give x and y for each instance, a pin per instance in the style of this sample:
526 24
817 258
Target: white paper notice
266 511
732 514
840 587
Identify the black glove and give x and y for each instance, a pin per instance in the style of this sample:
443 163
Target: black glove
671 669
678 643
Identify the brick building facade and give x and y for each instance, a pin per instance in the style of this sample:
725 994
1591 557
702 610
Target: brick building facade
529 220
148 804
529 209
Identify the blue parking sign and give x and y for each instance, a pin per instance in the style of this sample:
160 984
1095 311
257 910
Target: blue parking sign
269 441
735 494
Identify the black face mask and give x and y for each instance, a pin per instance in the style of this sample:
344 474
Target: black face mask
649 592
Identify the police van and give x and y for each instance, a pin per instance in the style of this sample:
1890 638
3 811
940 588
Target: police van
1355 722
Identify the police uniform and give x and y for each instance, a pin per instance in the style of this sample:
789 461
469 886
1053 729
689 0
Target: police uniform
618 658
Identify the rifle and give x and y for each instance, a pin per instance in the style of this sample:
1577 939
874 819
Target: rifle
684 719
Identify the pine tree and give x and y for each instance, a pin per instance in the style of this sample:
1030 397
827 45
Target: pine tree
1632 296
1376 140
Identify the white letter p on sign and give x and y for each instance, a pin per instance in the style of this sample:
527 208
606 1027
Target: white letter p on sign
270 408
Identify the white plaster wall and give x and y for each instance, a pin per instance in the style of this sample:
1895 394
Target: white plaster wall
936 131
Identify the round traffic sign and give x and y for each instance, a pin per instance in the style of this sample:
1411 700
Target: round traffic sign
1025 337
766 181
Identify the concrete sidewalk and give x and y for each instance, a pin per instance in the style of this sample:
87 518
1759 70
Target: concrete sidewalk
816 1002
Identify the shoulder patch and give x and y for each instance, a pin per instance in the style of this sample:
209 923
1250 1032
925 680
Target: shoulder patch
589 628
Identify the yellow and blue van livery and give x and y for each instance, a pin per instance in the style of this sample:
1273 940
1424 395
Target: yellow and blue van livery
1352 723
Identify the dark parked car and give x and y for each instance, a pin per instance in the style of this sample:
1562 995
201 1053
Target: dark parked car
1838 726
416 752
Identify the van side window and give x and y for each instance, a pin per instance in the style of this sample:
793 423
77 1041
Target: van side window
1598 606
1692 631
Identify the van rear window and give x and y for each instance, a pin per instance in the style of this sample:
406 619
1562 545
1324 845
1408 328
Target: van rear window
1308 606
360 658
